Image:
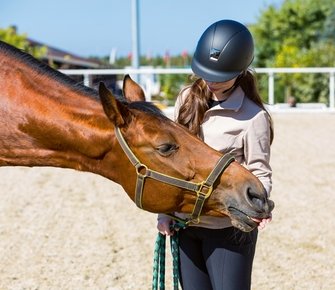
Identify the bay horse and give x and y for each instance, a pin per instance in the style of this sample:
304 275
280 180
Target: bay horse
47 119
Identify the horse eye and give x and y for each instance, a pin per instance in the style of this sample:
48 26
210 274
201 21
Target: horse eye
167 149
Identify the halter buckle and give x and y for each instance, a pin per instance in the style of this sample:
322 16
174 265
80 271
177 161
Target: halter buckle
204 190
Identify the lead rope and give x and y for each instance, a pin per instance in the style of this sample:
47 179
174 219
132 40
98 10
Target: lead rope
159 259
175 259
159 263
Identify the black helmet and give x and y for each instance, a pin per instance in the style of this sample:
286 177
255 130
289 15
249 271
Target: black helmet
224 50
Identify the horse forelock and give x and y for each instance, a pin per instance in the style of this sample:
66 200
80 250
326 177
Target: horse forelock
147 107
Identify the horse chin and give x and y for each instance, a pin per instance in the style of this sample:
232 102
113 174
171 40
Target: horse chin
244 227
241 220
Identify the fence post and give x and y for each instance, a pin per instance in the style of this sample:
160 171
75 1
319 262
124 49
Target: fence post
87 80
332 90
271 88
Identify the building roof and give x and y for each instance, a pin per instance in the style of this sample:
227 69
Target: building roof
66 58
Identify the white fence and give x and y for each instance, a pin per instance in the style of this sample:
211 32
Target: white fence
88 73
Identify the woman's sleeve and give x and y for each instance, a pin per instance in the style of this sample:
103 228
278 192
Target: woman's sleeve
257 149
162 216
180 100
177 107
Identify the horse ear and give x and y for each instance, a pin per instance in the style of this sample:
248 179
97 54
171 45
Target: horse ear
114 109
132 91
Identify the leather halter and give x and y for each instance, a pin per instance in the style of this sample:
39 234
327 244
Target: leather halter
203 189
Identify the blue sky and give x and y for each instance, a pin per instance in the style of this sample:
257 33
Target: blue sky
96 27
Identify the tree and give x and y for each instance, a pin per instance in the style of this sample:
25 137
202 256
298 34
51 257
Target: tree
300 33
170 84
10 36
328 34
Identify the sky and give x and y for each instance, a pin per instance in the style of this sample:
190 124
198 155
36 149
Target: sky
97 27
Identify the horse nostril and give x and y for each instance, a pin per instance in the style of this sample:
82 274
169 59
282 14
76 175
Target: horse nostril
255 199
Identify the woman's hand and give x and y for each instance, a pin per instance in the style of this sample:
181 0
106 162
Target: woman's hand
264 222
163 226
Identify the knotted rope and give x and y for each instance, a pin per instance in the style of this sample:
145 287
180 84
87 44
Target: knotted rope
159 259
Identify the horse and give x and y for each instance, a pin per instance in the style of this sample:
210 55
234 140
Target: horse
48 119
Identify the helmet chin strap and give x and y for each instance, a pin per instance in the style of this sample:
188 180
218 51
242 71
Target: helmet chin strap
230 89
236 83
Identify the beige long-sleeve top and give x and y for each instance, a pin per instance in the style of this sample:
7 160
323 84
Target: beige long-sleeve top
240 127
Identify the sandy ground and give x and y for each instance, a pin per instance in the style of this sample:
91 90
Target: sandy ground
61 229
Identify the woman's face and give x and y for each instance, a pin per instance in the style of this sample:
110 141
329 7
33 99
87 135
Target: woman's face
219 87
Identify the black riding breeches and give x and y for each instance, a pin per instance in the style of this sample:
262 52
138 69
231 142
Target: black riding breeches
216 259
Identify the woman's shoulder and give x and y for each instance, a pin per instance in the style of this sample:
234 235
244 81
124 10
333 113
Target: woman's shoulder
252 110
258 118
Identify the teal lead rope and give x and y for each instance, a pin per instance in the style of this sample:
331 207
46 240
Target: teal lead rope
158 276
175 259
159 263
159 259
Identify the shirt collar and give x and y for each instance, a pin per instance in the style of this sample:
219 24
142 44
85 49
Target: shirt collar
234 102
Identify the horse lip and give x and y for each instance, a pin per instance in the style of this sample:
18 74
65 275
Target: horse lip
236 210
250 221
256 220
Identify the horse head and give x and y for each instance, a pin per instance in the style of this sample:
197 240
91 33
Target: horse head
160 147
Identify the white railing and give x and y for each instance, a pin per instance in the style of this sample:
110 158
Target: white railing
87 75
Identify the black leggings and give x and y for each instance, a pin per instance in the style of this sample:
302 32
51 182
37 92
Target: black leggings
213 259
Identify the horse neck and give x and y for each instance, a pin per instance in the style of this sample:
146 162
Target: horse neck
46 123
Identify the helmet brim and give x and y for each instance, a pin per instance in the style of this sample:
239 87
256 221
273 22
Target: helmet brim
210 75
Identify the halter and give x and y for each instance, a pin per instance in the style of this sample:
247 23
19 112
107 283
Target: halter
203 189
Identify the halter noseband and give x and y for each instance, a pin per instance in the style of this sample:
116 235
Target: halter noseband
203 189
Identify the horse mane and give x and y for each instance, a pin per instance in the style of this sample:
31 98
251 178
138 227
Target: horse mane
45 70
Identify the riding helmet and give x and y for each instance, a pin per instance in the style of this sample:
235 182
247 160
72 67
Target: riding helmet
224 51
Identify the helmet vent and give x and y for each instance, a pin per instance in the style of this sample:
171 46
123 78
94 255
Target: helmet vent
214 54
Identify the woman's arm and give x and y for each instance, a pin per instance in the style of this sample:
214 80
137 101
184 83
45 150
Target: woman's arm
257 149
257 153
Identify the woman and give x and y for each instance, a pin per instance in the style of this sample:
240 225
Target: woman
223 108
